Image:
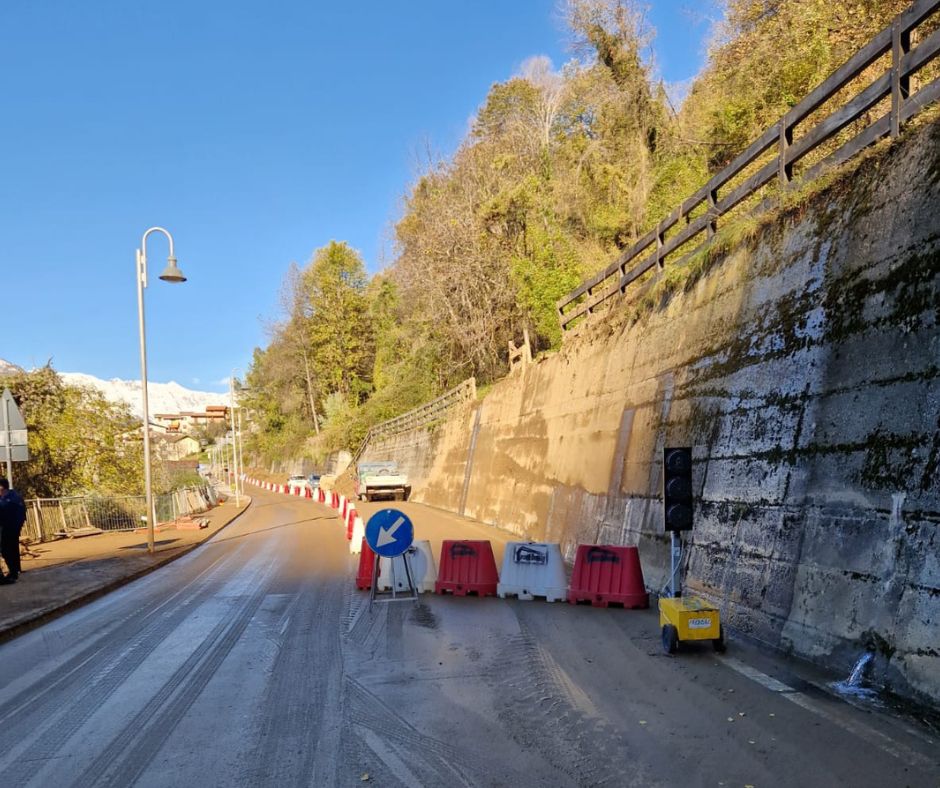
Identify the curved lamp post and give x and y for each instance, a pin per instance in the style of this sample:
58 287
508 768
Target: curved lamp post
238 459
171 273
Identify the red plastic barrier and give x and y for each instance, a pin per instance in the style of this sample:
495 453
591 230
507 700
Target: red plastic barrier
467 567
366 565
608 574
308 493
350 521
334 499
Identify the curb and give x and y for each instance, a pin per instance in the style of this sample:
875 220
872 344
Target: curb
50 614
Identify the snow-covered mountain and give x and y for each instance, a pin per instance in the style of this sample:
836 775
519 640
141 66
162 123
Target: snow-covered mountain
163 397
6 368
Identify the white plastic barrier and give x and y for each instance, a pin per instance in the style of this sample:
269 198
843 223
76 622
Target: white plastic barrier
358 534
423 569
532 569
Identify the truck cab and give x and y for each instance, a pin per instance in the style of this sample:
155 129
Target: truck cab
381 479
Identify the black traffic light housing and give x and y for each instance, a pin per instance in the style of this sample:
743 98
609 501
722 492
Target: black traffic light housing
677 489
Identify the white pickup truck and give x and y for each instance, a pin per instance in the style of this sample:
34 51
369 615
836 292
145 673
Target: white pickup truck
381 480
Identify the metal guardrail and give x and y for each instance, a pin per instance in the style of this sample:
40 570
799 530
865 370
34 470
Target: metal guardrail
712 201
52 518
422 416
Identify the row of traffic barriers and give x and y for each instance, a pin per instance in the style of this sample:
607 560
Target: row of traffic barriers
603 575
345 507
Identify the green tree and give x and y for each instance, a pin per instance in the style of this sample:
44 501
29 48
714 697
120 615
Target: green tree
337 320
78 441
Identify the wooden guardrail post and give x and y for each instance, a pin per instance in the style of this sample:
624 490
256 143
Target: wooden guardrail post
712 209
660 242
900 85
785 170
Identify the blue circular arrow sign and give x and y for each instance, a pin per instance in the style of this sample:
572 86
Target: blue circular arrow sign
389 532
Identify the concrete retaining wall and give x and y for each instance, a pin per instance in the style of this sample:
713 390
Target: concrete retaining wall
804 370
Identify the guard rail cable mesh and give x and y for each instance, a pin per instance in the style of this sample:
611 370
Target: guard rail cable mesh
422 416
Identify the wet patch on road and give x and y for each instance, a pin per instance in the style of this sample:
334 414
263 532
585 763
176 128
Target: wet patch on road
423 616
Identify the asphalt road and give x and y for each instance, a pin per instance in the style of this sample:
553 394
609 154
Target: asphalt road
254 662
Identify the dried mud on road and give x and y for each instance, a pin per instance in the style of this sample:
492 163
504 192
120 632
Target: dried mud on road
253 661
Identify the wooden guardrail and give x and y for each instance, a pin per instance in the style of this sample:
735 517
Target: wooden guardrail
714 200
522 355
425 414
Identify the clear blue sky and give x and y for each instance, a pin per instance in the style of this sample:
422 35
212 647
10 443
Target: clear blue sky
254 131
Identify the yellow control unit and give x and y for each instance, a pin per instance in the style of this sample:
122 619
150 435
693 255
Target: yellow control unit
689 618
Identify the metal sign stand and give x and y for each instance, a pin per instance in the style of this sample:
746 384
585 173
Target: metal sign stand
9 440
389 533
412 593
14 433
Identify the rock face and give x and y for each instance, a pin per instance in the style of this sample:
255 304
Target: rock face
804 369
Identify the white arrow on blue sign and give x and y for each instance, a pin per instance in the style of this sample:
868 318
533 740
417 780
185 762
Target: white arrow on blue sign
389 532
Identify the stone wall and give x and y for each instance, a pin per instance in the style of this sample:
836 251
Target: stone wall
803 367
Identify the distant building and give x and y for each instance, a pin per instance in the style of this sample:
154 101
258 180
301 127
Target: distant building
187 421
175 447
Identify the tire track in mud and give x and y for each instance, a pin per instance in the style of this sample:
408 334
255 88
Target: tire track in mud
435 762
300 712
133 626
296 703
542 709
127 755
375 734
101 671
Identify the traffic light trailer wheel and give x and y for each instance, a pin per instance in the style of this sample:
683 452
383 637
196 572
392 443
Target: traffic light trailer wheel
719 642
670 639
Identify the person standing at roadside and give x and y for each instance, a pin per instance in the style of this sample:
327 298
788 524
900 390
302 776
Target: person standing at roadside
12 517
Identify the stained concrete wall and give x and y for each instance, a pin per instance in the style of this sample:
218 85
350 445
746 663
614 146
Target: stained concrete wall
804 370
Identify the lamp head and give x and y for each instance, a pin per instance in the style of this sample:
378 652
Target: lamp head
172 273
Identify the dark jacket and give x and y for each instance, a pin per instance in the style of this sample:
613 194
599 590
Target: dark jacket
12 511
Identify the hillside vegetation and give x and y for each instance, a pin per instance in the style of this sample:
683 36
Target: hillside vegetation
561 170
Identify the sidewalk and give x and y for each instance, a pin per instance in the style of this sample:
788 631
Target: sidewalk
69 573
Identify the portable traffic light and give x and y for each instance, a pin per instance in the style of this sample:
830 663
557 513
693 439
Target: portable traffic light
677 489
682 618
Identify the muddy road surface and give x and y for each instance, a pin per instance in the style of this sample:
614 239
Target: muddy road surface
253 661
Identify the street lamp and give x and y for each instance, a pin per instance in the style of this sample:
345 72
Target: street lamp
231 395
171 273
238 455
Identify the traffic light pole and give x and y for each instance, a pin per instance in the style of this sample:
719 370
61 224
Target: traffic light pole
675 549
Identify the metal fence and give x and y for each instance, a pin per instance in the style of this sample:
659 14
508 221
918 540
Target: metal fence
877 111
422 416
53 518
